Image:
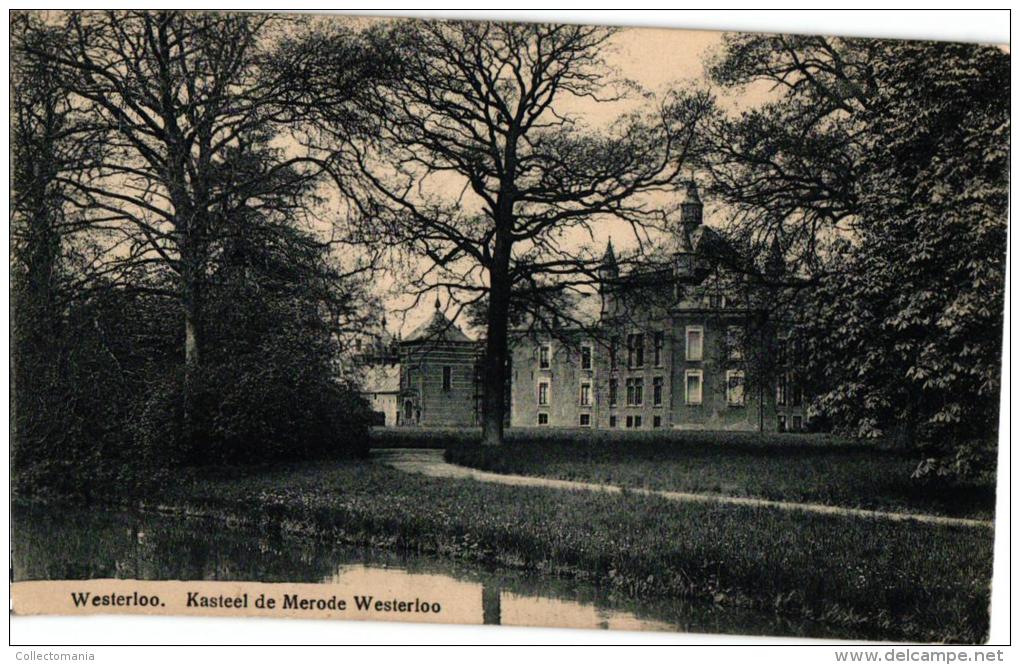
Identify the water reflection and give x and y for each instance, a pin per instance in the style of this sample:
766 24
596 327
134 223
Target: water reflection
60 543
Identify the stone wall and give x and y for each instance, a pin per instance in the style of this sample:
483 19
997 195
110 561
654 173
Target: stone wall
424 395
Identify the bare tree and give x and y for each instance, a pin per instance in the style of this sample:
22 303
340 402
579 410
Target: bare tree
193 111
480 168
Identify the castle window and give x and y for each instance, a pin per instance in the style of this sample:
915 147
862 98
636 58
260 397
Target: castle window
657 391
630 421
543 419
657 348
692 387
695 343
734 343
586 357
781 423
637 421
614 343
543 356
797 423
612 421
636 350
735 387
585 420
635 392
585 393
797 398
614 387
781 390
543 393
656 421
716 301
447 378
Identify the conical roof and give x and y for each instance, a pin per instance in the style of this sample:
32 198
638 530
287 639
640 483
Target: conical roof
609 257
437 328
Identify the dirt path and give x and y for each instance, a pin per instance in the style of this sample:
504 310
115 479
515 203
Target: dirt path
431 463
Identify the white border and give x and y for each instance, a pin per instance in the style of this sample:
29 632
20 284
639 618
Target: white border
971 26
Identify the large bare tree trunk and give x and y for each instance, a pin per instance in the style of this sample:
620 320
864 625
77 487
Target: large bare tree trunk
192 326
496 343
191 305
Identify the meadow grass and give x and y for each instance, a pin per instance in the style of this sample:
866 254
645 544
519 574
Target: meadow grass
873 579
784 467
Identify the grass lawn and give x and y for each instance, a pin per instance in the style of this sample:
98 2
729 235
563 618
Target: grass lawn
875 579
790 467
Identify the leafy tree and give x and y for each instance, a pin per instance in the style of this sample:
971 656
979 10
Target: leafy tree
153 182
880 169
48 141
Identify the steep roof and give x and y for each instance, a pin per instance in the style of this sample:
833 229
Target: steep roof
707 242
438 328
609 257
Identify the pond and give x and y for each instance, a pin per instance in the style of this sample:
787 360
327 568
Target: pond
53 542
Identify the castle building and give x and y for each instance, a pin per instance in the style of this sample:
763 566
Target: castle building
671 349
439 383
676 345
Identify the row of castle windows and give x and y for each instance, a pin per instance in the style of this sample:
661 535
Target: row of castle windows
635 390
584 420
796 423
694 349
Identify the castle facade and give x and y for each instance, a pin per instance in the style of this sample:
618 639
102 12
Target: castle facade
677 345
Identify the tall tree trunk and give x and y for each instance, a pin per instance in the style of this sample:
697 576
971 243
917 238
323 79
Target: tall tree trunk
192 324
35 324
496 343
191 304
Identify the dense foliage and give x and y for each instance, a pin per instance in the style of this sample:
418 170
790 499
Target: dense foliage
880 169
172 304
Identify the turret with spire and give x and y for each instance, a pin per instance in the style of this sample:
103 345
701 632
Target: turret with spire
609 275
609 270
691 209
775 262
685 264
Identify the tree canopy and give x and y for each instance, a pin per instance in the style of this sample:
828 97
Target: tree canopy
880 169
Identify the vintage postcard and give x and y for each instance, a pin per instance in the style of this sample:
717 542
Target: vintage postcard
530 324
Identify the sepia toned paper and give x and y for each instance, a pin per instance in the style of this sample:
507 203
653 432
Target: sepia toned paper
496 323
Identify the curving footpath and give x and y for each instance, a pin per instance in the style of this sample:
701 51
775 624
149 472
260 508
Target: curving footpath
430 462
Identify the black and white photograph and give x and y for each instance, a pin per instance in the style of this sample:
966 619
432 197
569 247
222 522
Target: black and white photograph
506 322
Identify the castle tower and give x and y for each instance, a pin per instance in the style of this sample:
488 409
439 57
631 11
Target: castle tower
609 275
775 263
685 263
691 209
609 270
